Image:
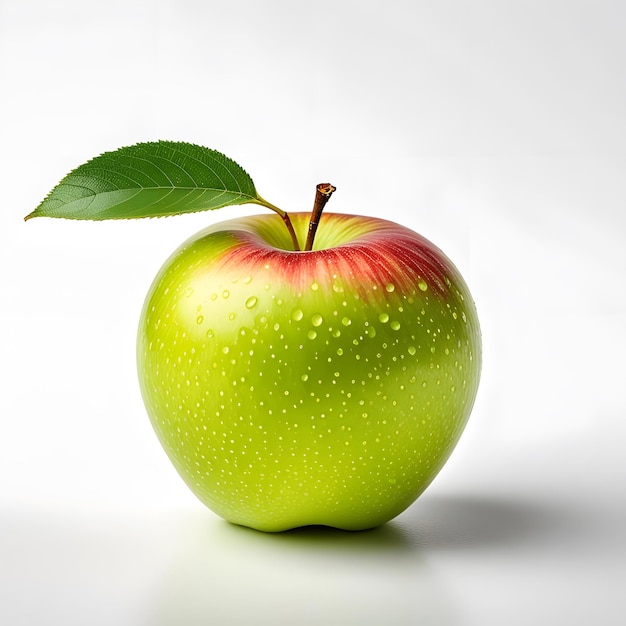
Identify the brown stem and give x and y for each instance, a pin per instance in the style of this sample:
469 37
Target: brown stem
323 192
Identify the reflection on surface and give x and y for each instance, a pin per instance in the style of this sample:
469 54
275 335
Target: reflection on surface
228 574
189 567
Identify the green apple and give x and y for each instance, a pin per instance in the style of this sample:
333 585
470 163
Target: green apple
290 385
322 387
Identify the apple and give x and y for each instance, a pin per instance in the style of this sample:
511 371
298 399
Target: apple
318 387
290 385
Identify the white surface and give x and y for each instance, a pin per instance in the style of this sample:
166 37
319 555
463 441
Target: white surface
495 129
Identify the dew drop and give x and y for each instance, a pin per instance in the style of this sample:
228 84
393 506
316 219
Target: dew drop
199 319
383 317
225 349
411 350
311 334
297 315
317 320
395 325
304 377
371 332
225 293
339 351
346 321
210 334
251 302
454 315
390 287
421 283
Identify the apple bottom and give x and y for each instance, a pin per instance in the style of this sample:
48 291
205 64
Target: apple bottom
318 388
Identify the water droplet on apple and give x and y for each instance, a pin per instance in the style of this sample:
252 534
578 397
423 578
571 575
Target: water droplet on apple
251 302
247 280
317 320
339 351
390 287
232 316
311 334
383 317
297 315
188 292
199 319
371 332
411 350
421 283
225 349
225 294
314 286
210 334
346 321
395 325
304 377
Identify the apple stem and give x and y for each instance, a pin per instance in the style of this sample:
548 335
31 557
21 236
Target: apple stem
323 192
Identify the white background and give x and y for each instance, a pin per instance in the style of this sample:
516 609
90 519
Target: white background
496 129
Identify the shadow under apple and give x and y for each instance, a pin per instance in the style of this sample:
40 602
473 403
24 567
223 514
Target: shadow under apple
479 522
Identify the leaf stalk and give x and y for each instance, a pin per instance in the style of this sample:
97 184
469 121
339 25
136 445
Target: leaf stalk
286 219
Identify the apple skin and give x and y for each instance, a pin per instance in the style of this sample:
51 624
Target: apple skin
308 388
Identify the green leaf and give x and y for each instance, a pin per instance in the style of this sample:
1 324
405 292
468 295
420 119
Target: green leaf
151 179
